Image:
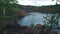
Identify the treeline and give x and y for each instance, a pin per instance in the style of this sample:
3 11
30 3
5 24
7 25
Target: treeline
42 9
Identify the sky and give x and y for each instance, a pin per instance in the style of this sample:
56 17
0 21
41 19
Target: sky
36 2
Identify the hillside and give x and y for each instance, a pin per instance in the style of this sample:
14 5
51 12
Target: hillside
42 9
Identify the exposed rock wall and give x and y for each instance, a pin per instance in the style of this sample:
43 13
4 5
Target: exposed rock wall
22 13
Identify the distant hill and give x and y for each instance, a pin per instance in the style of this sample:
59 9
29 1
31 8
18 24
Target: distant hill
42 9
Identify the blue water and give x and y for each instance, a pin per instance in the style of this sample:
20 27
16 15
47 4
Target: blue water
35 18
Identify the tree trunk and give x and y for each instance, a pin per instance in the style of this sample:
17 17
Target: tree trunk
3 11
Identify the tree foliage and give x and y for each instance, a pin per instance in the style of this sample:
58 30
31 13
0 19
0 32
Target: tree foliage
56 1
51 20
8 7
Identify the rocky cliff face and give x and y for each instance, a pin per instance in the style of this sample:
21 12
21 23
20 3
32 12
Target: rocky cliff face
22 13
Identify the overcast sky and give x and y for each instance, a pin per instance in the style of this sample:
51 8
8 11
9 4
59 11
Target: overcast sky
36 2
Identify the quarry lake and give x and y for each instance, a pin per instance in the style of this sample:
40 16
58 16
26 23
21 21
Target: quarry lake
35 18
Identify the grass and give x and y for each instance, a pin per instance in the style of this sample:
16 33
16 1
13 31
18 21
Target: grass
6 17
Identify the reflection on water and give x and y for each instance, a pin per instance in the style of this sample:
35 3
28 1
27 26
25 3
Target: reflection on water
36 18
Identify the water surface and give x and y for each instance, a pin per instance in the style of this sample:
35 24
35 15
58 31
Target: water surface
36 18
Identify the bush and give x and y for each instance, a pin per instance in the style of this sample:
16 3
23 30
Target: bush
32 25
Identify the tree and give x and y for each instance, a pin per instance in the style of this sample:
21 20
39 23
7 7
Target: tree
56 1
7 6
51 20
8 9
